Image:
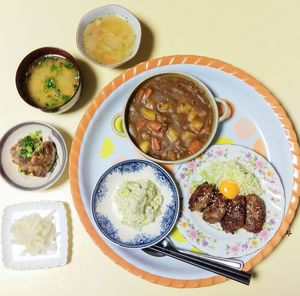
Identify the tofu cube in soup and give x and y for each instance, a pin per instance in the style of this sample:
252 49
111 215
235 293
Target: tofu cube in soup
171 116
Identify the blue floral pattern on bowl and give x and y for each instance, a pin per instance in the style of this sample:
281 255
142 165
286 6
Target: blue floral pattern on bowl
106 217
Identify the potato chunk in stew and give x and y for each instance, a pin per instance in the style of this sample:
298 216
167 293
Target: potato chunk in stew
170 117
149 114
172 135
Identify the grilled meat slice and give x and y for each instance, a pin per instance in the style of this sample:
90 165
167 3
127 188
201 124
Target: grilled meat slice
41 161
235 215
216 210
255 213
201 197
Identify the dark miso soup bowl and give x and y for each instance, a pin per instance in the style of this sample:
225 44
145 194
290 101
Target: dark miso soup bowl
23 68
217 117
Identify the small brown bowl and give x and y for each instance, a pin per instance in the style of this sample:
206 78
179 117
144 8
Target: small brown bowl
21 83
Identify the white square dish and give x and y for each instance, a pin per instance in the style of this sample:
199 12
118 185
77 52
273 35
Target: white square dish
13 254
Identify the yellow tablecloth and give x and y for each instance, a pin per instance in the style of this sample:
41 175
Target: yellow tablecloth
260 37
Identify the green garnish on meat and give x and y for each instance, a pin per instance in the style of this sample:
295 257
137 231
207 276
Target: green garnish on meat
31 143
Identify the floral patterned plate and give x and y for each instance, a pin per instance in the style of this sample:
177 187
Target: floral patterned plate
210 238
107 217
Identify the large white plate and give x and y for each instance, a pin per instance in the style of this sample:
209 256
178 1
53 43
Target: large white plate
210 238
100 148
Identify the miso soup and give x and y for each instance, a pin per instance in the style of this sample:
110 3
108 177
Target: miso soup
109 39
52 81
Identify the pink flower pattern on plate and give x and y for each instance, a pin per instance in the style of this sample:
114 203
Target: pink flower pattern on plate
234 249
191 165
193 233
263 234
259 164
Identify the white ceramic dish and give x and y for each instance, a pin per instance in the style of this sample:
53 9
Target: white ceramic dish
106 214
12 253
210 238
103 11
9 170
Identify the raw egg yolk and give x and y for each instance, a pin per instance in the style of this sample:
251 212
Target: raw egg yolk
229 188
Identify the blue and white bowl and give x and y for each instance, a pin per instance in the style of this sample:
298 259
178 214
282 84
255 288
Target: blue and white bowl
105 212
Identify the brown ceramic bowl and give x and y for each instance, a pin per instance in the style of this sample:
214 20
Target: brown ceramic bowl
21 82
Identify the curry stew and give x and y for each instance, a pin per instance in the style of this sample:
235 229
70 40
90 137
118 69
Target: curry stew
169 117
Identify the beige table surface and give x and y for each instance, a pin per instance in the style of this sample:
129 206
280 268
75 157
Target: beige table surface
260 37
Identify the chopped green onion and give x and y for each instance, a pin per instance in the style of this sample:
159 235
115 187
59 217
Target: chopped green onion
23 151
50 83
68 65
65 97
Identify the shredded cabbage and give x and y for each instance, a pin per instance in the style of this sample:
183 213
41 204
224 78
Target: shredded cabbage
233 170
34 232
139 203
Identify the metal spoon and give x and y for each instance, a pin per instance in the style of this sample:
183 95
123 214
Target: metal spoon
167 243
212 266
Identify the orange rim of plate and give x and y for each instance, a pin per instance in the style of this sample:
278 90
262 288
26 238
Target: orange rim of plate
195 60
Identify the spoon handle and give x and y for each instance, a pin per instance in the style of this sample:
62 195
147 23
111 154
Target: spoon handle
231 273
234 263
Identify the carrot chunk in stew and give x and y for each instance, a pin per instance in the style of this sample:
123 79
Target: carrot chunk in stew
148 93
195 146
154 125
140 94
140 125
155 144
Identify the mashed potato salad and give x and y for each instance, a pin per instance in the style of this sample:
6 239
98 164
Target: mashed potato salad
139 202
